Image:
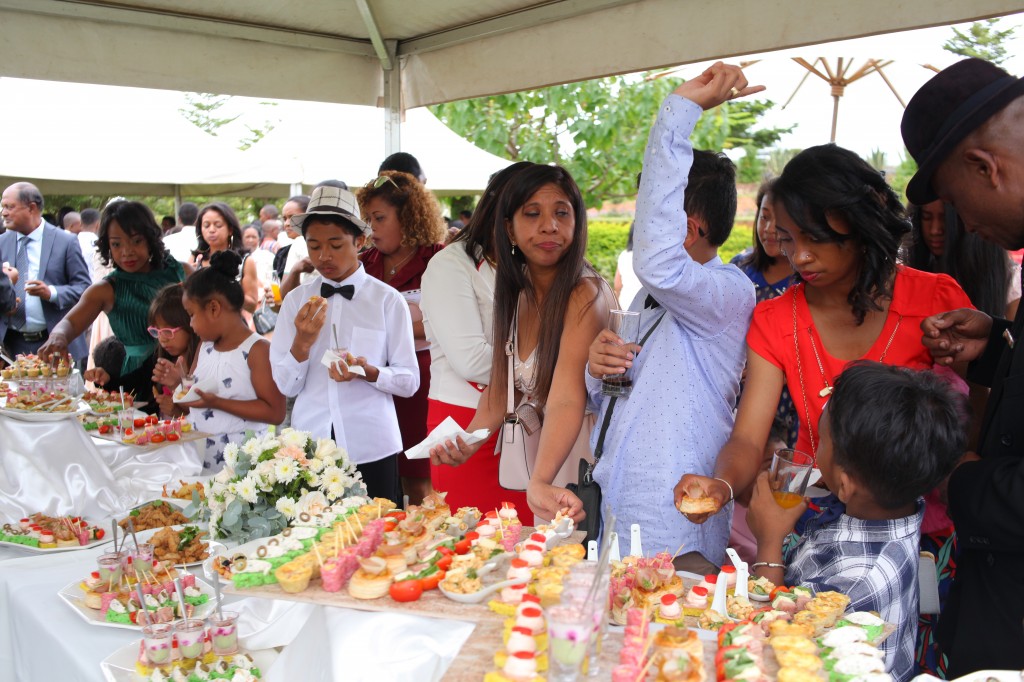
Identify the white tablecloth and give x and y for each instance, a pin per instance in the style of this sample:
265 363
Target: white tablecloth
57 468
41 638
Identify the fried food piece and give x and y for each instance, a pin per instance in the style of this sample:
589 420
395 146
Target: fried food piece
154 515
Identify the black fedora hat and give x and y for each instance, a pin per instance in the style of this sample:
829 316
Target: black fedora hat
946 109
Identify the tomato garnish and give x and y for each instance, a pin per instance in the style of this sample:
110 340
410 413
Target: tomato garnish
406 590
445 562
139 422
431 581
173 437
462 546
157 438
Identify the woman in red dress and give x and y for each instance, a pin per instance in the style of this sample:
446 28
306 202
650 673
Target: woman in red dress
407 231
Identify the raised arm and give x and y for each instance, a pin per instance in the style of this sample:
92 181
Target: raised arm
682 286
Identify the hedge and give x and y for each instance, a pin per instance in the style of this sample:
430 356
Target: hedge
606 239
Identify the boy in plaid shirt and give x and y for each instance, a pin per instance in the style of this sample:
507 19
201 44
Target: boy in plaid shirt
888 436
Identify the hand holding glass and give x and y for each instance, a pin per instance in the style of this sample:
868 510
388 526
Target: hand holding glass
788 476
627 326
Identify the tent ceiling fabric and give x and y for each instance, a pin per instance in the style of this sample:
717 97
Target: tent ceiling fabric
448 49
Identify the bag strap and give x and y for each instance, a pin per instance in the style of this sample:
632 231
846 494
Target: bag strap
599 448
510 350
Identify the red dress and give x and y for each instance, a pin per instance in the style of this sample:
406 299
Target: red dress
916 295
412 411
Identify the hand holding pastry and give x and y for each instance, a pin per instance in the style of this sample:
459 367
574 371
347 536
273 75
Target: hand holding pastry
309 320
698 497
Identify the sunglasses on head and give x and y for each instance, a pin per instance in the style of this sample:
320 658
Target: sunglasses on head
157 332
379 182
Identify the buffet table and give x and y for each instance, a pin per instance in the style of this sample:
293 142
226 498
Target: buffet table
42 638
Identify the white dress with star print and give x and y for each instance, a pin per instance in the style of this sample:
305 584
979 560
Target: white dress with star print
230 369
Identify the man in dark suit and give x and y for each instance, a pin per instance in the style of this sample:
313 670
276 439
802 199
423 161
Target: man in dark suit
965 129
52 273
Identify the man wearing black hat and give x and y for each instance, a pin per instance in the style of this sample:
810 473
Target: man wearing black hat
965 129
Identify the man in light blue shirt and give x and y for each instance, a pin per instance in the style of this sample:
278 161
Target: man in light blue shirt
686 379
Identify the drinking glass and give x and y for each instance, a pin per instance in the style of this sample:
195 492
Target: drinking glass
110 568
789 474
627 325
157 640
191 634
224 633
570 629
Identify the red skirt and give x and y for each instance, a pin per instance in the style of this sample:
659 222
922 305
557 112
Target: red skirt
475 483
412 421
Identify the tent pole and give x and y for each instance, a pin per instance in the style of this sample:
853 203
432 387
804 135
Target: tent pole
177 201
392 102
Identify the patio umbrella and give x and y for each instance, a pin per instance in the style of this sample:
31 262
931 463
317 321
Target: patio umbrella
875 77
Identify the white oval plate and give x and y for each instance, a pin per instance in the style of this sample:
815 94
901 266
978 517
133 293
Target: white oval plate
120 665
29 416
71 594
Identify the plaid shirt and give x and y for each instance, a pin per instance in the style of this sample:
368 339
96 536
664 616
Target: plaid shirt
875 563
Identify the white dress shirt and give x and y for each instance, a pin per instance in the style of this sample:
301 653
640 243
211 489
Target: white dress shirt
458 307
87 241
182 243
297 252
376 325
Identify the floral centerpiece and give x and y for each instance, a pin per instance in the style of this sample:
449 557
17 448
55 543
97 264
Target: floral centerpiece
271 479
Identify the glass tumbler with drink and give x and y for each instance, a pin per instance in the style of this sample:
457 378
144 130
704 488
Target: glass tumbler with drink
788 476
626 325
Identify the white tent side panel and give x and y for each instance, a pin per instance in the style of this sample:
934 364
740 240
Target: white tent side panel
656 33
72 49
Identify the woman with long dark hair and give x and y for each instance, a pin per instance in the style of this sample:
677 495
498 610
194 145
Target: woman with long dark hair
458 306
558 303
939 243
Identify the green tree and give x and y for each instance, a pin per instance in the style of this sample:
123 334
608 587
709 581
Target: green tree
982 40
596 129
201 109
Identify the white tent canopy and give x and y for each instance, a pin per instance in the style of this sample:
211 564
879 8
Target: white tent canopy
403 54
134 141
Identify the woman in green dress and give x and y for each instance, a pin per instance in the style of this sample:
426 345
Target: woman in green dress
130 240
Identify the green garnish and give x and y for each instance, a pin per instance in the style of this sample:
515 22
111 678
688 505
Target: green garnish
471 574
187 535
134 512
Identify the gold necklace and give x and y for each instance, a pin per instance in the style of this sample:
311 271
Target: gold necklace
392 271
827 390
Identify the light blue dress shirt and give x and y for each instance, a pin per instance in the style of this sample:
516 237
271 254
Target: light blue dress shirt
34 319
686 379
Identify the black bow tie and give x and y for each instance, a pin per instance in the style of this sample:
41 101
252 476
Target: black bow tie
346 291
651 303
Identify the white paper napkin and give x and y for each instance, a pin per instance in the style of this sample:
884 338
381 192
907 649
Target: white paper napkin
205 385
330 357
446 430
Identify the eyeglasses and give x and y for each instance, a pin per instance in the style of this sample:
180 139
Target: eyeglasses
157 332
379 182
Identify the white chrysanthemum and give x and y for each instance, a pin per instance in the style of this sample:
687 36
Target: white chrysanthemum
288 507
316 465
223 477
296 439
335 489
285 470
252 447
246 489
230 456
332 475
